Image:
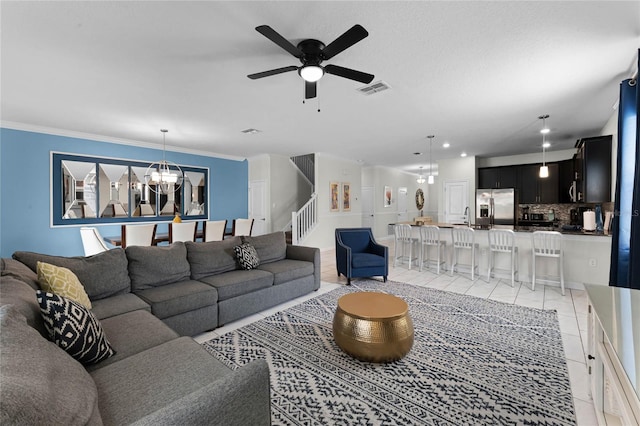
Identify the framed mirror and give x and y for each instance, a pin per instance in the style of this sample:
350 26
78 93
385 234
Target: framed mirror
90 189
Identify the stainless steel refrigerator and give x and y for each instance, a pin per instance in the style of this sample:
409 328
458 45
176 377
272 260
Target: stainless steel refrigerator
496 206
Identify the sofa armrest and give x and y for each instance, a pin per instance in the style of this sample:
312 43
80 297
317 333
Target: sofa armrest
241 398
309 254
378 249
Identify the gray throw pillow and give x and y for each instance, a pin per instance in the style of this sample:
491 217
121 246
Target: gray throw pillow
41 384
102 275
213 257
157 265
270 247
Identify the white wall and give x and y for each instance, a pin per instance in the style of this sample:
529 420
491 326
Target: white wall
378 177
456 169
335 169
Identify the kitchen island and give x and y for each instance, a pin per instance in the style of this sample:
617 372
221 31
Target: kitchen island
587 255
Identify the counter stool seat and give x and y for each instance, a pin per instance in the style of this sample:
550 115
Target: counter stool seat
464 239
429 238
404 242
503 241
547 244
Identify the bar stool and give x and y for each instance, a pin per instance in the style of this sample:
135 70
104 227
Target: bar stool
503 241
547 244
430 237
464 239
403 241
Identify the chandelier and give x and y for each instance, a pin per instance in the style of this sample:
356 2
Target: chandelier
163 177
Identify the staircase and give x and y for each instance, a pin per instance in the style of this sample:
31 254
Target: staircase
305 220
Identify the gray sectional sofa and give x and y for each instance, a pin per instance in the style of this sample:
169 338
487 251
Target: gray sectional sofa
148 301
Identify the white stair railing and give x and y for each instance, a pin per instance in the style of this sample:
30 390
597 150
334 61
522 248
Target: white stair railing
304 220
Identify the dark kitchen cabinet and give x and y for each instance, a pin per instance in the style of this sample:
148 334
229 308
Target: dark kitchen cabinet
498 177
534 189
593 169
566 177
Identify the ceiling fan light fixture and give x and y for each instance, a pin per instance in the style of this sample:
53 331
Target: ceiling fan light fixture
311 73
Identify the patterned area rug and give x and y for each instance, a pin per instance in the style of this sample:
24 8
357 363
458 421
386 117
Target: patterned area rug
474 361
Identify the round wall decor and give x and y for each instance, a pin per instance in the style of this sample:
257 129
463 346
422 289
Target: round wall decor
419 199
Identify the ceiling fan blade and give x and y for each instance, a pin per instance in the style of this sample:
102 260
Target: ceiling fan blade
346 40
310 89
272 72
360 76
272 35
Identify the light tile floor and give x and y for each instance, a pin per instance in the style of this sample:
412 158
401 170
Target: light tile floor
571 309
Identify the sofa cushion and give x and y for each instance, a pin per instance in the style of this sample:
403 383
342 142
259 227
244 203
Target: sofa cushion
74 328
247 256
287 270
23 297
236 283
118 305
102 275
367 260
270 247
41 384
132 333
148 381
20 271
177 298
213 257
63 282
157 265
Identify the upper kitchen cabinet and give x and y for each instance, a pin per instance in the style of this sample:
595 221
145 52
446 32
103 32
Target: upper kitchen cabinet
593 169
567 176
533 188
498 177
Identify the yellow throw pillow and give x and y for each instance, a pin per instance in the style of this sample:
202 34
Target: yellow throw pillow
63 282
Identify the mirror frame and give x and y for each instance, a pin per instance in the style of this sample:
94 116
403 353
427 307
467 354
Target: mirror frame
56 185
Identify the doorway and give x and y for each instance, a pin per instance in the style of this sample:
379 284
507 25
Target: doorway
402 205
368 218
257 206
456 201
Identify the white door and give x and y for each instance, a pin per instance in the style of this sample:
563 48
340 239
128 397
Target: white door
368 218
257 207
456 201
402 205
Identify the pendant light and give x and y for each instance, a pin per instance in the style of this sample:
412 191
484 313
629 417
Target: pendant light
163 177
544 169
420 178
431 178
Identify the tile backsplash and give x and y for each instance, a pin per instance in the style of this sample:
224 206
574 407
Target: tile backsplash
561 211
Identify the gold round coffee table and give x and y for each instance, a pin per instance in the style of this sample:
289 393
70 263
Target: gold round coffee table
373 326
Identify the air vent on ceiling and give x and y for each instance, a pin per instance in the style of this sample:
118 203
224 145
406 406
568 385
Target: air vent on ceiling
372 88
251 131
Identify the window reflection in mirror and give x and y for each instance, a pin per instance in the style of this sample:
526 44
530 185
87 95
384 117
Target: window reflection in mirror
114 190
142 198
193 189
79 198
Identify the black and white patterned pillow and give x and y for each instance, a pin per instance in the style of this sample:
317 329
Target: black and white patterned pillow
247 256
74 328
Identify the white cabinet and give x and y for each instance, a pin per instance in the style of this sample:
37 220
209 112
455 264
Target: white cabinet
614 354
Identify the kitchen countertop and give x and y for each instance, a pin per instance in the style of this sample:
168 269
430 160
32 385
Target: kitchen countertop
516 228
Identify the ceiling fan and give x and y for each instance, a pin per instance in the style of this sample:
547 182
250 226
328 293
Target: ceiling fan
311 53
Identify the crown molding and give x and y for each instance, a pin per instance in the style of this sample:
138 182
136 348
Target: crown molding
109 139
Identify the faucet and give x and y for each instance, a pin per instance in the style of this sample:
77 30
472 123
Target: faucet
467 220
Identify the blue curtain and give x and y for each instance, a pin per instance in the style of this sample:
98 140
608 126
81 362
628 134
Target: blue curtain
625 249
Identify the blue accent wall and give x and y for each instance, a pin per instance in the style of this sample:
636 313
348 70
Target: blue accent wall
25 189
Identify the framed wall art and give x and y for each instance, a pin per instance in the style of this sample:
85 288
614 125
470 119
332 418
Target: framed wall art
346 197
388 191
334 192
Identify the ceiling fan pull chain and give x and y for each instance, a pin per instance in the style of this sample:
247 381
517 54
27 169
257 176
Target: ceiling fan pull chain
318 100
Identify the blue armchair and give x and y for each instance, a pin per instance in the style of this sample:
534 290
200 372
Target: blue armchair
358 254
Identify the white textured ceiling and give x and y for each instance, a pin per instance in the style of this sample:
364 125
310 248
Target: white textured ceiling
475 74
